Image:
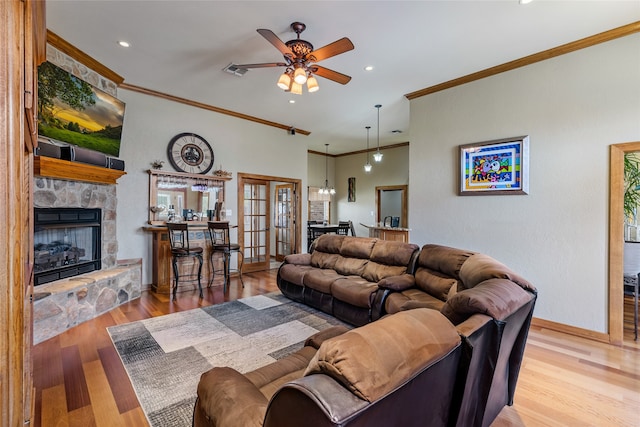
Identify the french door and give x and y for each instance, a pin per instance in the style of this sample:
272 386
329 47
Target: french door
285 236
255 221
256 225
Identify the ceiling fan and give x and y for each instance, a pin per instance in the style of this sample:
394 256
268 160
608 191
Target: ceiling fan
300 60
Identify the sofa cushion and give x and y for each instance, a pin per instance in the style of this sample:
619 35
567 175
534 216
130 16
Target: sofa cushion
497 298
298 259
388 252
375 359
374 272
421 300
321 279
481 267
350 266
294 273
357 247
434 283
323 259
353 290
328 243
443 259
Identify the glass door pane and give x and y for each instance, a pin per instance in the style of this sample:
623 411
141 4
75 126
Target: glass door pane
284 221
256 225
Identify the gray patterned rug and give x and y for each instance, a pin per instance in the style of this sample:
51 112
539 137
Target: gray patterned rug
165 356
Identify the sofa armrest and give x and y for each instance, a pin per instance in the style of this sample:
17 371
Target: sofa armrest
298 259
398 283
473 324
315 400
228 398
497 298
318 338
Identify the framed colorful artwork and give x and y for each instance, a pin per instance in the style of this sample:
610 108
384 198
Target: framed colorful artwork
495 167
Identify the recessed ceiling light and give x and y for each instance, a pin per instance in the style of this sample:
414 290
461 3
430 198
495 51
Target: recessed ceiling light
525 1
123 43
292 101
368 68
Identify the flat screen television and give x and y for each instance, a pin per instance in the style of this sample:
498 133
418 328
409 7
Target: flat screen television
73 112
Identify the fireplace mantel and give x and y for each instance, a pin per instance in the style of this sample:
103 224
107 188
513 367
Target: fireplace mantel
63 169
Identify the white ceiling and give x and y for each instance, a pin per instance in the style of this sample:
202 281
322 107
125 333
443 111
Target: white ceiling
180 47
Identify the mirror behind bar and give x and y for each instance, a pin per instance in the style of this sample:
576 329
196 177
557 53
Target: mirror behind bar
190 194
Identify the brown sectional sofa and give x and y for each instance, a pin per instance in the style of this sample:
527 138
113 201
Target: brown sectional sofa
341 274
484 303
399 371
491 307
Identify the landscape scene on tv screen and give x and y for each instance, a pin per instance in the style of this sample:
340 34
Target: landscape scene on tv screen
72 111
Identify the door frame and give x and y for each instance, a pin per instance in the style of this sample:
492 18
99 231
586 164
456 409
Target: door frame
616 239
297 219
405 197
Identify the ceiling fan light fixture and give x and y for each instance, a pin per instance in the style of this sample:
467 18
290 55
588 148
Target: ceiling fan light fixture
300 76
284 82
312 84
296 88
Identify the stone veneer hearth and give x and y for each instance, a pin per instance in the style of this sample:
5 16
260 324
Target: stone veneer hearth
65 303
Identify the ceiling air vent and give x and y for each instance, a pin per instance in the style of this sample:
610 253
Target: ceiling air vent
235 70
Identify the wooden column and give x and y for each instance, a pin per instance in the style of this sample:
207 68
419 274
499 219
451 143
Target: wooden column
22 46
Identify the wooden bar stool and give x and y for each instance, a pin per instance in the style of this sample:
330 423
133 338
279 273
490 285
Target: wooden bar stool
179 241
221 242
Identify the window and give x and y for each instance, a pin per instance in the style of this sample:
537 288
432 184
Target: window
319 205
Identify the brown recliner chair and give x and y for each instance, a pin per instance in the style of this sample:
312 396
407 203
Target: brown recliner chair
491 307
399 371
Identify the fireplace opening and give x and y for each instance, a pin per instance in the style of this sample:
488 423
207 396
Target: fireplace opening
66 243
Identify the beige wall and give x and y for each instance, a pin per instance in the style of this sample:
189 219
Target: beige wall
572 107
238 145
393 170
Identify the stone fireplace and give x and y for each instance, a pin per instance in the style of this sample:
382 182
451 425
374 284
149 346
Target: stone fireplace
66 243
69 301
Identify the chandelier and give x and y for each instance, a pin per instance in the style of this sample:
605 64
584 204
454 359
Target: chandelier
377 156
293 80
367 166
300 71
326 189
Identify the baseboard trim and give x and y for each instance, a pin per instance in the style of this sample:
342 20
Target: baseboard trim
571 330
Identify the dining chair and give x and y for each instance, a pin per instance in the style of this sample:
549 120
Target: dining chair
220 241
352 228
181 249
343 227
311 235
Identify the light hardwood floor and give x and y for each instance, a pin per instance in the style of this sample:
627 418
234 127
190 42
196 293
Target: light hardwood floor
564 380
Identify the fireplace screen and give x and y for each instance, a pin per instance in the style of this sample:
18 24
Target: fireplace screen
66 243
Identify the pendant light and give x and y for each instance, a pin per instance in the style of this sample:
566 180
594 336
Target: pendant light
326 189
377 156
367 166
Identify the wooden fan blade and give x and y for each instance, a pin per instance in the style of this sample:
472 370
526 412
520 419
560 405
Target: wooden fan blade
274 40
336 48
330 74
264 65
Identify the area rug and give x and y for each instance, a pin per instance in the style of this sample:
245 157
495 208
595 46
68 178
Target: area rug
165 356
